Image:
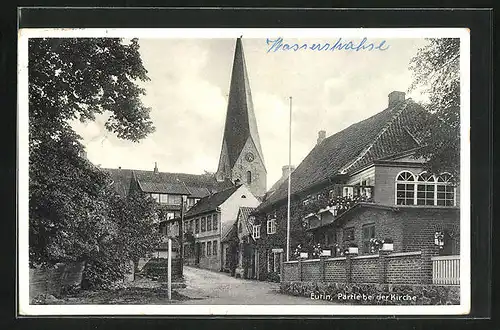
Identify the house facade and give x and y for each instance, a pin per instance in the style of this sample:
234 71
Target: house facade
209 222
360 185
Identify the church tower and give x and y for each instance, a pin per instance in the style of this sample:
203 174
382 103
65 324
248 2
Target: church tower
241 158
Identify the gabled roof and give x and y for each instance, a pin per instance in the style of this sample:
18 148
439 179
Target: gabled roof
231 234
211 202
163 187
383 134
194 185
244 217
121 180
240 117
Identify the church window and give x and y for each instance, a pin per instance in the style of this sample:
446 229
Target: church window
249 177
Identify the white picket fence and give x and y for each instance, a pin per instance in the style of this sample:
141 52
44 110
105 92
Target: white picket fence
446 270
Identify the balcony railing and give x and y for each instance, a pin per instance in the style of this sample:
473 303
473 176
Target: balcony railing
324 210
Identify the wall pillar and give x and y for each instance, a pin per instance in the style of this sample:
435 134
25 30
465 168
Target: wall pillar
299 264
382 266
322 273
348 268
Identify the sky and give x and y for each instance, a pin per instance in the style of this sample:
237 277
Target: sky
188 94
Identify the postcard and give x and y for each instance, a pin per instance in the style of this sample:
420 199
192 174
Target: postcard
244 172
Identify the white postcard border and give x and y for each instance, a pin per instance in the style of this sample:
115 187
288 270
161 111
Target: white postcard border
25 309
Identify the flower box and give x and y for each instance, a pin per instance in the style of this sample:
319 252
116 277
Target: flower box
304 255
388 247
326 253
353 250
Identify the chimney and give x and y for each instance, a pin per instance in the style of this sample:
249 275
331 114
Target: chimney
321 136
119 167
285 169
395 98
156 169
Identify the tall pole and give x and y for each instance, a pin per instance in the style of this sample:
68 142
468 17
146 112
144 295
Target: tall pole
169 269
289 183
181 236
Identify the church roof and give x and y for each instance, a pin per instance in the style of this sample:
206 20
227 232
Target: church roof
240 117
388 132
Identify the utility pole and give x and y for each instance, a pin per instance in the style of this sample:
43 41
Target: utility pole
289 183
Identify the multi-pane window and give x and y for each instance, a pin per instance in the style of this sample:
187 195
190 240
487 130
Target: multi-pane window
240 227
191 224
174 199
405 189
425 189
209 248
203 249
215 223
256 231
348 234
348 191
271 226
156 197
198 225
249 177
445 191
214 248
209 223
203 224
368 233
163 198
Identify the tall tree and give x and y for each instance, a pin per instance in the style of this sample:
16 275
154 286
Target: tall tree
436 72
72 204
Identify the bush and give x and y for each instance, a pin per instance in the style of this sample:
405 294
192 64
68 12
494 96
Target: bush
273 277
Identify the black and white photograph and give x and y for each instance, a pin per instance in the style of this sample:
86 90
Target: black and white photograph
244 171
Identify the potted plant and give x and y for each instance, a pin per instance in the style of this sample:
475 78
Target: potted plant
352 248
387 244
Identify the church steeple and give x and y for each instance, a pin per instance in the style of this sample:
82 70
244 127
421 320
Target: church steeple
241 142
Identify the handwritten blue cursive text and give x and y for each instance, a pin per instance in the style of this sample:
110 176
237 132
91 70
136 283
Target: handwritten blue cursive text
278 45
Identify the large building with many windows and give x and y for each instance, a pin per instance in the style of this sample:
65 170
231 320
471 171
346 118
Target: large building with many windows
360 185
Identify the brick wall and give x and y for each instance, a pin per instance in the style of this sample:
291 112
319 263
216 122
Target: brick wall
387 225
291 271
397 268
365 269
405 268
335 270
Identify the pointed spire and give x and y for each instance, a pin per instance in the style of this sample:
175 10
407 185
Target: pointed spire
240 117
156 168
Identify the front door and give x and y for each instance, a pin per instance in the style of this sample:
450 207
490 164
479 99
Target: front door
255 264
197 254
